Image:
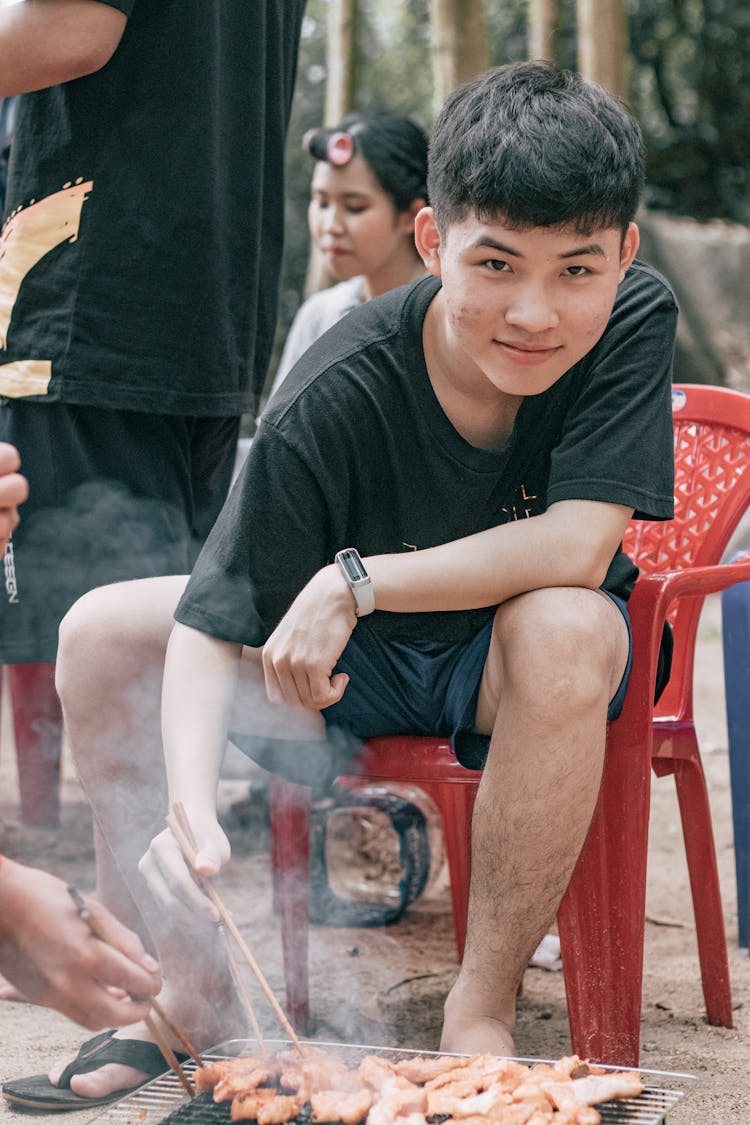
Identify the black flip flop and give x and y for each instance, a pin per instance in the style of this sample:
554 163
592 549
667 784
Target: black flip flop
37 1094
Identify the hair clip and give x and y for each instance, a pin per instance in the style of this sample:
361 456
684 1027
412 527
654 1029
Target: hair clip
339 149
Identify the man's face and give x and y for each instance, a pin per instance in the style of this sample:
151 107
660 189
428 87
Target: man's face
521 307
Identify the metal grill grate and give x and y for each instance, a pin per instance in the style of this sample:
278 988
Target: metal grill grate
164 1099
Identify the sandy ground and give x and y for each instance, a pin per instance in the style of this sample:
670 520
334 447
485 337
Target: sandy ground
386 986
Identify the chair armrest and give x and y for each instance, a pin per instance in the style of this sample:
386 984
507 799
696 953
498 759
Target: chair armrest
658 591
650 602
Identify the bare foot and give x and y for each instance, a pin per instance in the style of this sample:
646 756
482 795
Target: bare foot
477 1036
203 1026
472 1026
110 1077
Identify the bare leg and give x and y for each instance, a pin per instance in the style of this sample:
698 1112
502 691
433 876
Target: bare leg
110 665
110 669
556 659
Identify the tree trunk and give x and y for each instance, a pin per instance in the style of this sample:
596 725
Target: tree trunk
602 43
542 27
460 48
341 88
341 60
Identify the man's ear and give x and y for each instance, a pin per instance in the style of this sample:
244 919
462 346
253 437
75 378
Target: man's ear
427 240
629 248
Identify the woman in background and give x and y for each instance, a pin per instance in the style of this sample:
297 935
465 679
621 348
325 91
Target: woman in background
369 182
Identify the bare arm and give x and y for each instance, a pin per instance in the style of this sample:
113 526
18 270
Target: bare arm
48 953
572 544
46 42
200 678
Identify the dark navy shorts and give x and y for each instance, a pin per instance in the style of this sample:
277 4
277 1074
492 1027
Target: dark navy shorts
427 688
113 495
401 688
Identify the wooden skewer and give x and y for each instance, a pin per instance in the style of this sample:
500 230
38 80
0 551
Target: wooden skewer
170 1056
177 1032
180 828
234 969
239 984
86 915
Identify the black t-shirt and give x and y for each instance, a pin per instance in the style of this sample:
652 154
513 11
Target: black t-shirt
145 214
354 450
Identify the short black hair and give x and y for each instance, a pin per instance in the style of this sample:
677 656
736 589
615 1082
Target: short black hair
394 147
540 147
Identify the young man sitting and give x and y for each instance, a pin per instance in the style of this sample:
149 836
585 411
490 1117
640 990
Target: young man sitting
481 438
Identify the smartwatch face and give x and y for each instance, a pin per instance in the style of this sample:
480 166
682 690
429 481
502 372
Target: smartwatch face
352 564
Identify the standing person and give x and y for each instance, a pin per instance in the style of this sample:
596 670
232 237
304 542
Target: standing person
481 439
138 281
46 950
7 116
369 182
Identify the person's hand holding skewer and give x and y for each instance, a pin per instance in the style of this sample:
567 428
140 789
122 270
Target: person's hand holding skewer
52 957
170 878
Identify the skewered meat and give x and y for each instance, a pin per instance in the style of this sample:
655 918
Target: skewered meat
333 1105
476 1090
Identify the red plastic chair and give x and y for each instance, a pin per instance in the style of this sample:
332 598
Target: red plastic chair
602 917
37 724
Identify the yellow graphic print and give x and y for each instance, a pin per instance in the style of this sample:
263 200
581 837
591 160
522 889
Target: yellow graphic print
29 234
523 509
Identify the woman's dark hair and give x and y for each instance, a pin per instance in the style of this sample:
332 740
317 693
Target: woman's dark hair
394 147
540 147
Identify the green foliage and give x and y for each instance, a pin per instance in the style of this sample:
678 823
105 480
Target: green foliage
690 88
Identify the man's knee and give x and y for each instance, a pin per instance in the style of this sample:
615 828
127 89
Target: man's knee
115 631
558 646
81 637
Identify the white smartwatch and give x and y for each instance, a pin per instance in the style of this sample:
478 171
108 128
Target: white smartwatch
357 579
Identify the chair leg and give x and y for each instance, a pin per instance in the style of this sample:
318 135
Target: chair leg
37 721
695 812
290 850
602 917
456 805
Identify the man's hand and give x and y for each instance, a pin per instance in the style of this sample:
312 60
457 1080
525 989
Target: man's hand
168 875
301 653
13 491
52 957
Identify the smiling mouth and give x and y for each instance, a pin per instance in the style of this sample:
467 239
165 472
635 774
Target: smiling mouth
528 353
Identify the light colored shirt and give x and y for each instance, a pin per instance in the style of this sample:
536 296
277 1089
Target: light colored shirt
319 313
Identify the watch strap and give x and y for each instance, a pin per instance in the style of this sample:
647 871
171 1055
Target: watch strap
361 586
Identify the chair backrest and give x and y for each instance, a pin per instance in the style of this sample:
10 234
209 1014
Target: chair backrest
712 493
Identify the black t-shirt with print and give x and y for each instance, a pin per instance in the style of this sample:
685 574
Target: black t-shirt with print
144 224
355 451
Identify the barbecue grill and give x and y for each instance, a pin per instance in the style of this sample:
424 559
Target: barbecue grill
164 1100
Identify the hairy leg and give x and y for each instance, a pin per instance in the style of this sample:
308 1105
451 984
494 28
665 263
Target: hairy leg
556 659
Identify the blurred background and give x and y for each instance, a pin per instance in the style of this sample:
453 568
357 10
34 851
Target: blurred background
683 66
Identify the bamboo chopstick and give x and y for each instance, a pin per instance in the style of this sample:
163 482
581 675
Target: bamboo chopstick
170 1056
89 918
234 969
177 1032
241 987
180 827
